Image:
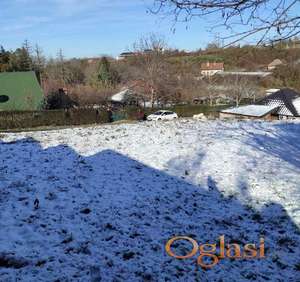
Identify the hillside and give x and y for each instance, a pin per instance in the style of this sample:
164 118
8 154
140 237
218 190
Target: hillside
249 58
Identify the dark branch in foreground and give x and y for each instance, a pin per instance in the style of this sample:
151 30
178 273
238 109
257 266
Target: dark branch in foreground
266 21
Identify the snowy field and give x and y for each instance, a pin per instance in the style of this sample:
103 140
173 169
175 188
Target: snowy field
100 203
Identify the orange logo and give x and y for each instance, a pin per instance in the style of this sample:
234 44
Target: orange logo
208 256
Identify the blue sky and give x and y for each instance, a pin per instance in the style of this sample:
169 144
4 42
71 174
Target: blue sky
86 28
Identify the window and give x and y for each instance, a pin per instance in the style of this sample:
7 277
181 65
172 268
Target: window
4 98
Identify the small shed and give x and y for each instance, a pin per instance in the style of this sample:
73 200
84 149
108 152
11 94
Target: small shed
249 112
20 91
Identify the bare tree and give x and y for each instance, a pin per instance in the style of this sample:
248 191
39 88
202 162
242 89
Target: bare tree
153 68
241 88
39 58
61 66
39 62
211 89
265 21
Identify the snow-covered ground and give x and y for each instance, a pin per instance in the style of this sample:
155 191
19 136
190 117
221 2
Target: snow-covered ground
110 197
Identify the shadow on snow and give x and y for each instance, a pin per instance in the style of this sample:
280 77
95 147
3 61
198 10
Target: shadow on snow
283 144
110 216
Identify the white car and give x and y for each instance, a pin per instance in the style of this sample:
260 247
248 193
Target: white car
162 115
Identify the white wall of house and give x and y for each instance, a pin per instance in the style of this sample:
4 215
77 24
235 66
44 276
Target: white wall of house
210 72
296 104
271 91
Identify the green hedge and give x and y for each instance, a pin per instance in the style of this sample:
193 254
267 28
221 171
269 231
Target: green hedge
190 110
31 119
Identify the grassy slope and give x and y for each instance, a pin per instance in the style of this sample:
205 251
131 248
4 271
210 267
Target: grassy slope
249 58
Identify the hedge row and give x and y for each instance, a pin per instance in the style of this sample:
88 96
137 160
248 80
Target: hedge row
22 120
181 110
16 120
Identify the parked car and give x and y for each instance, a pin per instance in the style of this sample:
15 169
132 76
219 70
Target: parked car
162 115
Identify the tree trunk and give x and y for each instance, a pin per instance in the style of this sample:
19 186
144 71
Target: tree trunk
152 98
211 101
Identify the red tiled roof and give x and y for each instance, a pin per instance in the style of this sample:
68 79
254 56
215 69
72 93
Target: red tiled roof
212 66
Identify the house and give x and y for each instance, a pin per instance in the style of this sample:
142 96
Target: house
122 97
125 97
210 69
20 91
249 112
296 44
271 91
287 101
126 55
274 64
92 61
290 44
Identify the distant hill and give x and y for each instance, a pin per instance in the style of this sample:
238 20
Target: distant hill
248 58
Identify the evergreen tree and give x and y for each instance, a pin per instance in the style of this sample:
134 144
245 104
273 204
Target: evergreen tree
20 59
24 59
106 76
4 59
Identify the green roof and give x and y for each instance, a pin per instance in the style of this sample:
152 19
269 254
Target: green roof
20 91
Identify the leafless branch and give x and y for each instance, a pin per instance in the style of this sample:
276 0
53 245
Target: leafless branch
264 20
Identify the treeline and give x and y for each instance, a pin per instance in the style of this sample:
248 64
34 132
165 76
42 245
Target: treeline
21 59
91 81
158 76
84 82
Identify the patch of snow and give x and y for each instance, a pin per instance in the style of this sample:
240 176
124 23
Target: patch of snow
200 116
250 110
